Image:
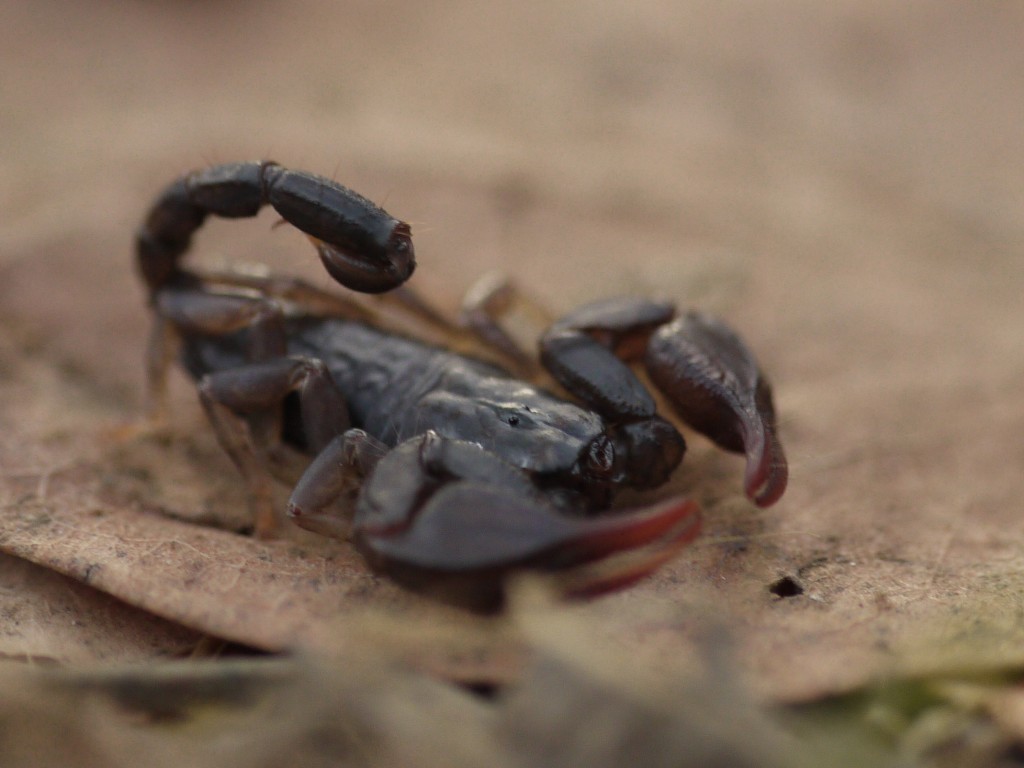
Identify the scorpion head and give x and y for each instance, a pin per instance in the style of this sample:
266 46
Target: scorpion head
639 454
575 455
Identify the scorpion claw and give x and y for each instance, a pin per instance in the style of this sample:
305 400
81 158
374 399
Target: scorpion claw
715 385
468 535
467 540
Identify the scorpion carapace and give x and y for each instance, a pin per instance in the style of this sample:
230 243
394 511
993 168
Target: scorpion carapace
462 472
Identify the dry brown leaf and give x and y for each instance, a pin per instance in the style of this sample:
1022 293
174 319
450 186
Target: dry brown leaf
571 708
46 617
842 181
231 586
251 714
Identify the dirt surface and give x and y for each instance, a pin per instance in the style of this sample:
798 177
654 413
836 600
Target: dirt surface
841 180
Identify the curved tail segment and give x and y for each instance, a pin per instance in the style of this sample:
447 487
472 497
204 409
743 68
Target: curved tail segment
362 246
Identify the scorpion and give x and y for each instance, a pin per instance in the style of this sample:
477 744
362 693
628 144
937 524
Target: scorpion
462 472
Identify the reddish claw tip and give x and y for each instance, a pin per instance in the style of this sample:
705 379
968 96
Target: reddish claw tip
671 520
767 472
674 525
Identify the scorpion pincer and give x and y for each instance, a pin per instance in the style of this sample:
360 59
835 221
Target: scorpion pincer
463 473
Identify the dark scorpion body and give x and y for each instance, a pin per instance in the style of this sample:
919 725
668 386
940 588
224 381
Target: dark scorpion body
463 471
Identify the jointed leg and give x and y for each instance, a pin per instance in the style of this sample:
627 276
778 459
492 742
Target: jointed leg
195 311
236 399
339 469
161 350
484 308
305 296
410 300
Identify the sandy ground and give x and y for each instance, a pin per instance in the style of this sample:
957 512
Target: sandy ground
841 180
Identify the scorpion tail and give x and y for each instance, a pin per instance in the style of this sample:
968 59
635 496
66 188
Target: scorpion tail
360 244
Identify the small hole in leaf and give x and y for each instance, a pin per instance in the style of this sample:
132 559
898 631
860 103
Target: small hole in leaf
787 586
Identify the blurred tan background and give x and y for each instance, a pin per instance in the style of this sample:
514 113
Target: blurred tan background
844 181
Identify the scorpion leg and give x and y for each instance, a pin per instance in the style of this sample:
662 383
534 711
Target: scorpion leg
412 301
451 518
312 300
716 386
199 312
233 398
196 311
484 303
337 470
309 298
162 347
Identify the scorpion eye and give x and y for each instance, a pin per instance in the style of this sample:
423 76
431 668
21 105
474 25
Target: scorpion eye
512 420
601 456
